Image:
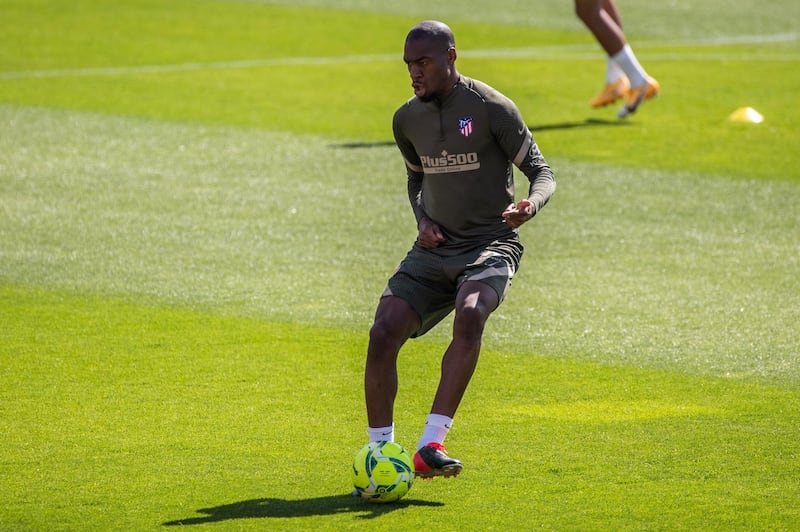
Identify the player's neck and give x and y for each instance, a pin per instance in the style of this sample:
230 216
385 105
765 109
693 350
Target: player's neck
441 97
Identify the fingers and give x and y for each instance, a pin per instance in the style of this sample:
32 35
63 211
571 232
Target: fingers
516 215
430 235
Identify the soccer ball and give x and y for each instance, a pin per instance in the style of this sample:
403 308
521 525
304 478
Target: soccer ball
382 471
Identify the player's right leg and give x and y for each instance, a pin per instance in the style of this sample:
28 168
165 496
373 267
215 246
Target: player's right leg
395 322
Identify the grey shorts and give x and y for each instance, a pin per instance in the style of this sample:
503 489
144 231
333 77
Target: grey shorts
429 281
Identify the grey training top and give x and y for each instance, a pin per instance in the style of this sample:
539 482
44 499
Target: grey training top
459 154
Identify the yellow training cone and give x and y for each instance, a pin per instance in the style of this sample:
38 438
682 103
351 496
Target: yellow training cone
746 114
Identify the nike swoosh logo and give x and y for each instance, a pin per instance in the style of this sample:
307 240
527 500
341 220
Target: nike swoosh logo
521 130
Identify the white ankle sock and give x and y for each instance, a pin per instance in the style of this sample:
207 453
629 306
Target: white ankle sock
626 60
381 433
613 72
436 428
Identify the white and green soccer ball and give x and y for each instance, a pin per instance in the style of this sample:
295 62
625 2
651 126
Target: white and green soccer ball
382 471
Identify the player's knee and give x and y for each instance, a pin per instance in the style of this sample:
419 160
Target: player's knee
385 333
469 323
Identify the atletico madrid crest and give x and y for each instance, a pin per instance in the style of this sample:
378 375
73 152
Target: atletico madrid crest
465 126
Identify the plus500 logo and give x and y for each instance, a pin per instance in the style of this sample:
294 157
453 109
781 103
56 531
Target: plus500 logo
451 162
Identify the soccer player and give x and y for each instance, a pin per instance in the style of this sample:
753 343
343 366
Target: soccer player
625 77
460 140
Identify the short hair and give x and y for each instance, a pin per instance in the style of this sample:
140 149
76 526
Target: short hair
434 30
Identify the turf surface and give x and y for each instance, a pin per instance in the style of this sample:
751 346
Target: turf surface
201 203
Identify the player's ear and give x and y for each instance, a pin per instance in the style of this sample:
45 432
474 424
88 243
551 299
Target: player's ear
451 55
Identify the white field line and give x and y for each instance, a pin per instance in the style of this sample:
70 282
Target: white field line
580 51
218 65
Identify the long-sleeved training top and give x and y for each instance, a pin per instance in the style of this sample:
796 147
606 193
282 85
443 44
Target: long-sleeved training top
459 154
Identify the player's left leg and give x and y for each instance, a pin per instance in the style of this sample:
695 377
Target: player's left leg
483 285
474 303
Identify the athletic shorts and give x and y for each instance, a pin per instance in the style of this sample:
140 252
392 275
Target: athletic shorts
429 281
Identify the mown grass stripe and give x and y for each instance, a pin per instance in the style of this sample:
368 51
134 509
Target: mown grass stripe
554 53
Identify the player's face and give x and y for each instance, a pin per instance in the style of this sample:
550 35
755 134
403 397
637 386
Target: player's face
430 66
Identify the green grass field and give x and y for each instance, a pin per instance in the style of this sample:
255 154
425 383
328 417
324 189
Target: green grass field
200 204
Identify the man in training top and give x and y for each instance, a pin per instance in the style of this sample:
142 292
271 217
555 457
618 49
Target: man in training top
460 139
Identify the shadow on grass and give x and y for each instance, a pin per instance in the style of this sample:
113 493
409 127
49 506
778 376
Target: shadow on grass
355 145
589 122
265 508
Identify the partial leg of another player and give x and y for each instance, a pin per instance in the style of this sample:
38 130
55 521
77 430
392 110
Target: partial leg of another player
625 76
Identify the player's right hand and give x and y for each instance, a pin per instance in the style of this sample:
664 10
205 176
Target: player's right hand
430 235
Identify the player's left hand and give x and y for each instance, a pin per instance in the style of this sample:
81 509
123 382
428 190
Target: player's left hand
516 215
